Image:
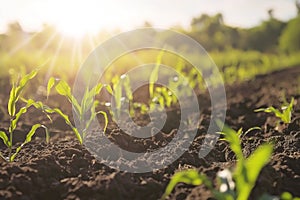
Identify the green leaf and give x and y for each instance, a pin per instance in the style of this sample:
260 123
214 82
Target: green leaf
50 85
88 98
28 139
105 119
257 161
109 89
85 102
24 80
16 92
97 89
252 129
23 110
11 106
46 133
246 176
180 64
64 116
63 89
127 87
67 120
32 132
78 109
287 113
154 74
4 138
232 137
14 122
39 105
93 116
118 94
270 110
191 177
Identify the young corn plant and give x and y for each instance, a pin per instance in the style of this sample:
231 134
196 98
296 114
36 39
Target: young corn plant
285 115
160 95
14 114
118 84
191 177
164 97
247 169
84 110
154 74
232 185
240 132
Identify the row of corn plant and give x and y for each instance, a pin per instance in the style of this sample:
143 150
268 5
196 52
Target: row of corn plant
84 110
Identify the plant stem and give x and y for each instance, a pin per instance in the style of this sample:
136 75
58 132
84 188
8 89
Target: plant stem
10 139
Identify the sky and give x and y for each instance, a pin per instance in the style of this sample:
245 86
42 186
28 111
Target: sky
94 15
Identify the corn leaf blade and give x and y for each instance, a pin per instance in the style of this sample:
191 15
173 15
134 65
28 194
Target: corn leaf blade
4 138
246 176
11 107
154 74
191 177
28 139
63 89
232 137
50 85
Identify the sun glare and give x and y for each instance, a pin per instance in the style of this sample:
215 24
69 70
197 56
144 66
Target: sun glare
78 18
76 29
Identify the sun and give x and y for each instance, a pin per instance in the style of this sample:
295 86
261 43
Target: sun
77 28
78 18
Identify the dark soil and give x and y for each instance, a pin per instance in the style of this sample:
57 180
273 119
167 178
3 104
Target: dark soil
64 169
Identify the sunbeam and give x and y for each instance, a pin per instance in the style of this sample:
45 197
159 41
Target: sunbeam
73 55
47 43
53 62
79 53
22 44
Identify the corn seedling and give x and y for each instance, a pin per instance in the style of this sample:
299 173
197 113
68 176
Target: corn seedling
164 97
143 108
191 177
232 185
247 169
154 74
285 115
161 95
240 132
84 111
118 84
14 114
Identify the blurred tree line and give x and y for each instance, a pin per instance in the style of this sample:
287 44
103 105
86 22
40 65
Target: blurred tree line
272 35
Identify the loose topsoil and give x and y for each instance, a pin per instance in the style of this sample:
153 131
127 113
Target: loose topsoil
64 169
